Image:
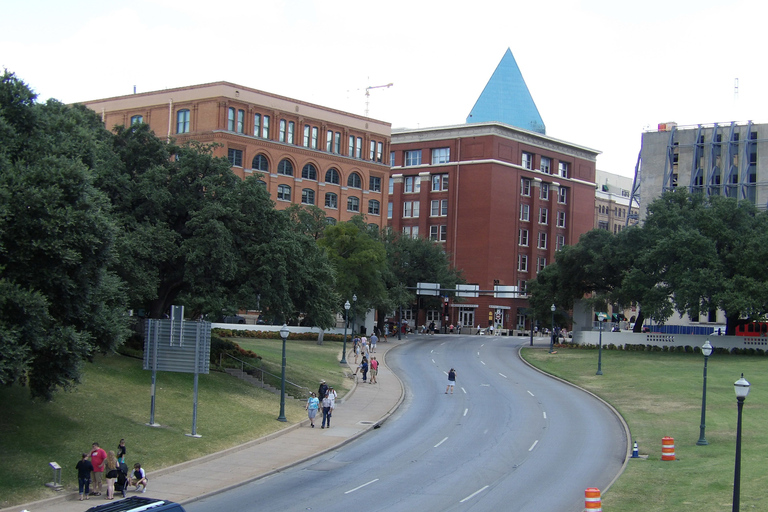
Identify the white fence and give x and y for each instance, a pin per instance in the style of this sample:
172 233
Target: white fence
669 340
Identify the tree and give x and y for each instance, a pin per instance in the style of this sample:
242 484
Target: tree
59 302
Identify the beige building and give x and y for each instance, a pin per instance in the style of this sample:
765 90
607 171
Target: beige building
303 153
612 202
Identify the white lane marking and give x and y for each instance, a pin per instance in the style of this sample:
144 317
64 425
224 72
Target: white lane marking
433 362
531 393
432 351
478 353
464 390
483 362
466 411
473 494
545 414
481 346
533 445
361 486
441 442
503 375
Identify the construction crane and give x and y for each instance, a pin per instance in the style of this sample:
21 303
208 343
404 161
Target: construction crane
368 94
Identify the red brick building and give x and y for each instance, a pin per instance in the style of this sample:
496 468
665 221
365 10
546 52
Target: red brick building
304 153
501 199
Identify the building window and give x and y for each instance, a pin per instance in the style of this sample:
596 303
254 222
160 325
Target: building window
372 152
262 183
559 242
413 157
284 192
522 263
527 160
315 138
337 143
561 219
525 212
441 156
354 181
391 186
240 127
438 233
261 126
265 128
541 262
137 119
439 208
351 146
390 209
410 209
522 237
329 141
330 221
306 135
307 196
359 148
542 243
411 231
260 163
544 192
332 176
439 182
231 119
182 121
412 184
309 173
546 165
257 125
522 286
391 158
283 130
525 187
562 169
562 195
285 167
543 215
353 204
379 151
331 200
374 184
235 157
291 129
374 207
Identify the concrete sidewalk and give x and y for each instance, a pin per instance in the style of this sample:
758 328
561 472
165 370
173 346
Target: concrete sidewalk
364 407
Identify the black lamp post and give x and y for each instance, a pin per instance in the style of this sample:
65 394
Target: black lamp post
283 334
741 387
354 313
344 353
706 350
552 334
600 321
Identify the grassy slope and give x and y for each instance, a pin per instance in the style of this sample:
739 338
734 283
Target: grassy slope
113 402
659 394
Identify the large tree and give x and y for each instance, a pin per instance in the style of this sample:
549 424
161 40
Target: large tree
58 300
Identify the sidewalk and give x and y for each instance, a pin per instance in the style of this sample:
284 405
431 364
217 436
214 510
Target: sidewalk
360 410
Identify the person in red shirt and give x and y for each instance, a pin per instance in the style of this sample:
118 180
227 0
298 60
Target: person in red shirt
374 370
98 455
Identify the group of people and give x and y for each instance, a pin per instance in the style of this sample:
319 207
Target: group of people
432 328
326 396
98 464
365 366
362 345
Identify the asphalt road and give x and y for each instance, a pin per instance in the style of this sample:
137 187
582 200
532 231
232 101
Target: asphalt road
509 438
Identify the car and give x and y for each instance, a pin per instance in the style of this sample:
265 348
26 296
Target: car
233 319
137 504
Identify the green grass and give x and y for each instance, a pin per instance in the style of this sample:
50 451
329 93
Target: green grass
113 402
659 394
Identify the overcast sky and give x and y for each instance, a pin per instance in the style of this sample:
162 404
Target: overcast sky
600 71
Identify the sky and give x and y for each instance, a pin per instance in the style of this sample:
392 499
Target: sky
600 71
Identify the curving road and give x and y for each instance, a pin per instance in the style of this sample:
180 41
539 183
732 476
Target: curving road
509 438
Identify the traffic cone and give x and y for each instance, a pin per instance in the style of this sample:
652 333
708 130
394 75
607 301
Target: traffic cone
635 454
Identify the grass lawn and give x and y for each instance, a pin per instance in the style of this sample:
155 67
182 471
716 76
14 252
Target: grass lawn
659 394
113 402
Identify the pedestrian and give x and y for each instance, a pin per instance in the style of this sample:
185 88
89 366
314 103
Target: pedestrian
478 329
357 348
326 411
312 405
451 381
491 330
84 470
431 329
322 389
139 478
458 328
374 370
450 328
98 456
364 368
121 451
332 395
112 470
374 340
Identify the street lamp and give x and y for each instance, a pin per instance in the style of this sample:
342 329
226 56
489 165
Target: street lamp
601 317
741 387
706 349
283 334
552 334
344 353
354 313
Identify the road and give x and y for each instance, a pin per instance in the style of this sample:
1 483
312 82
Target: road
508 438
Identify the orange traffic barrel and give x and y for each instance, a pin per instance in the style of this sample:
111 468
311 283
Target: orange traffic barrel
667 448
592 500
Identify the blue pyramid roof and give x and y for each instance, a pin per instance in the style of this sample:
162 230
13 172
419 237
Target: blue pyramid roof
506 99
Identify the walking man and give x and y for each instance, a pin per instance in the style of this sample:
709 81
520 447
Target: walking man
451 381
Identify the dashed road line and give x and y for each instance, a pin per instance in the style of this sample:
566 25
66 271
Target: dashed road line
474 494
441 442
533 445
361 486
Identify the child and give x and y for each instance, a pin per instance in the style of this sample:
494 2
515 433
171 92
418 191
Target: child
139 478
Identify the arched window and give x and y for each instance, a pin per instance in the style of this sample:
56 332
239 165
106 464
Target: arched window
309 172
262 183
284 192
330 221
307 196
332 176
285 167
354 181
353 204
331 200
374 207
260 163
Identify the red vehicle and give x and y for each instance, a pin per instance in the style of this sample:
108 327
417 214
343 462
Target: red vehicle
752 329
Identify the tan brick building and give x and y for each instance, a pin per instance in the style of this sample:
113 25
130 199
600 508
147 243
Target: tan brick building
304 153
